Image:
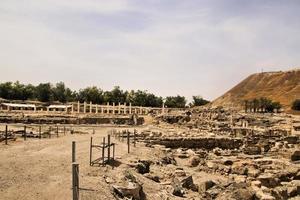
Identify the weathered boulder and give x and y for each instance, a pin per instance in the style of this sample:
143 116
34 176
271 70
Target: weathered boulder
179 172
177 188
239 168
259 194
252 150
188 183
133 190
168 160
194 161
268 180
152 177
280 193
227 162
240 178
143 166
242 193
292 191
295 155
256 184
205 185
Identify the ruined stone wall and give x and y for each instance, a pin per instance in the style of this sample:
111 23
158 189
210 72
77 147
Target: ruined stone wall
69 120
203 142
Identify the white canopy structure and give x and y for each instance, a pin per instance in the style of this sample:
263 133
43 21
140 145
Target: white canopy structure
17 106
59 106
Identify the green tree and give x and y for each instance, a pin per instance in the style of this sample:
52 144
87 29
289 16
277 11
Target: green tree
296 104
93 94
44 92
246 105
199 101
6 90
175 101
59 92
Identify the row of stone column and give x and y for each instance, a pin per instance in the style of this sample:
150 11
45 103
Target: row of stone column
108 109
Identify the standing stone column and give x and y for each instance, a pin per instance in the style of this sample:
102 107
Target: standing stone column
72 108
141 110
113 107
34 109
91 107
84 107
163 108
107 107
119 108
102 110
130 110
135 111
124 108
78 107
96 108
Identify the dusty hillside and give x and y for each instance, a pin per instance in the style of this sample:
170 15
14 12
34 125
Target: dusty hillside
278 86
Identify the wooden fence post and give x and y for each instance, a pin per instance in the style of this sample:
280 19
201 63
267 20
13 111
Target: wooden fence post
108 146
40 132
73 151
114 151
128 141
103 151
75 181
25 136
134 137
6 134
91 150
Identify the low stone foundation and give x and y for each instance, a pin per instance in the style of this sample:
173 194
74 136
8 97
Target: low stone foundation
203 142
69 119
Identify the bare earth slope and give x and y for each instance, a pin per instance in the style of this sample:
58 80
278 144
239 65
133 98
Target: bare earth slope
283 87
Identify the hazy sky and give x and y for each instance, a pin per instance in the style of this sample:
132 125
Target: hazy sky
168 47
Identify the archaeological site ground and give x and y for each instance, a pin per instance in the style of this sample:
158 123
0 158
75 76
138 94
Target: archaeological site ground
228 149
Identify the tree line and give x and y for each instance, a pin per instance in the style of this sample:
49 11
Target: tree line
47 92
261 105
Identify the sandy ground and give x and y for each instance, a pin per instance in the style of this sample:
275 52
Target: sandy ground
41 169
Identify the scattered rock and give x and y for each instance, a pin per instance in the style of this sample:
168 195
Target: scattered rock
252 150
205 185
268 180
152 177
194 161
177 188
133 190
168 160
295 155
179 172
188 183
143 167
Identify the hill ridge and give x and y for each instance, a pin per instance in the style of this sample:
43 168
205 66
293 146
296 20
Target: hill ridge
281 86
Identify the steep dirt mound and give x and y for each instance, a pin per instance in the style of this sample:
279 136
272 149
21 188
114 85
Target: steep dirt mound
283 87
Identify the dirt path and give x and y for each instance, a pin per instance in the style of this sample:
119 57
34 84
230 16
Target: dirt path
41 169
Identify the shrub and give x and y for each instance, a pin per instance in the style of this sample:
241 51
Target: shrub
296 104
